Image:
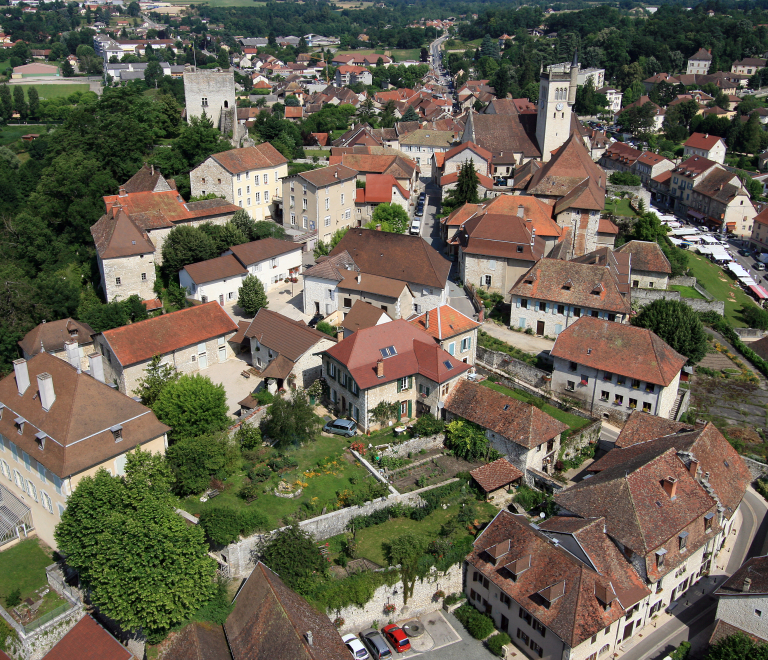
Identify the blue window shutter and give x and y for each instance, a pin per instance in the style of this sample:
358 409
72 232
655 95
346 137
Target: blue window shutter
517 302
469 343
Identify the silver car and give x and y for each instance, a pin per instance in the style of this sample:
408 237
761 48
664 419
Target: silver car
374 640
355 647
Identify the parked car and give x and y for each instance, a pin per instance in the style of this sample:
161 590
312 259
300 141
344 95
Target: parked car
341 427
420 211
315 320
375 644
759 265
744 253
355 647
416 227
397 638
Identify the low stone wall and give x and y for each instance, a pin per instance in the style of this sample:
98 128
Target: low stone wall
757 470
646 296
515 368
683 280
240 556
590 434
750 333
421 602
414 445
634 193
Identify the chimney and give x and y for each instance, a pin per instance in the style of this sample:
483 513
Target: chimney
22 375
45 386
380 368
97 366
693 467
747 584
73 353
309 637
151 169
520 211
426 321
670 487
122 191
339 335
378 227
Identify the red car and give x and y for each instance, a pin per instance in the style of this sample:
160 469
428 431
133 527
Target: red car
397 638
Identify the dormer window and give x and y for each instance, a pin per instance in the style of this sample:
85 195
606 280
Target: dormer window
73 332
518 566
553 593
496 552
117 432
708 521
519 248
40 439
567 285
660 558
605 595
19 424
683 540
597 289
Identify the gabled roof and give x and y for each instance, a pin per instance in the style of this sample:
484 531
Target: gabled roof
364 315
620 349
116 235
471 146
271 622
496 235
78 423
141 341
378 189
460 215
755 570
701 55
574 613
444 322
537 211
643 427
397 166
396 256
249 158
88 641
326 176
503 134
148 179
211 270
51 336
498 474
572 171
366 283
415 353
485 181
703 141
291 339
512 419
332 268
265 248
572 283
646 256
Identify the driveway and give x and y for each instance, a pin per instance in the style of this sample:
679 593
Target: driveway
528 343
285 299
236 386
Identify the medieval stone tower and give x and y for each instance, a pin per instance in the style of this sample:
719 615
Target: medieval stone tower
213 91
557 94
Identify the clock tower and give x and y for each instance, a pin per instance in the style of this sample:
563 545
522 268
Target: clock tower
557 94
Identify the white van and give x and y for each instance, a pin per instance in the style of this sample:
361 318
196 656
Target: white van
415 227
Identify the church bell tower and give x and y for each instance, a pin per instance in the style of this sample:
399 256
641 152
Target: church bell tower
557 94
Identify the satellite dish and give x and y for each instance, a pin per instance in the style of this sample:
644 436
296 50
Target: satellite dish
440 405
542 515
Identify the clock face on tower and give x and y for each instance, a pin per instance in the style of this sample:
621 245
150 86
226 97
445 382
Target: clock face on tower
559 106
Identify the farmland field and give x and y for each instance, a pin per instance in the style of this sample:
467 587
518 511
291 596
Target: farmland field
54 91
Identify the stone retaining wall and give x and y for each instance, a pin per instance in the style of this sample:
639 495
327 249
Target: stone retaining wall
414 445
515 368
588 435
757 470
646 296
421 602
750 333
683 280
239 556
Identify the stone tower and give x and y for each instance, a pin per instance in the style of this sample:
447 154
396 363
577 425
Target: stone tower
213 91
557 94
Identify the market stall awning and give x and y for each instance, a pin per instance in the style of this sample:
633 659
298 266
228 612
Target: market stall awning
759 291
696 214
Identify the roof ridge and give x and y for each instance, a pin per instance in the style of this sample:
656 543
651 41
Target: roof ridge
634 510
652 336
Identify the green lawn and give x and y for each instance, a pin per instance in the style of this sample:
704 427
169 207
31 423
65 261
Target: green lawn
721 285
320 153
371 539
686 291
573 421
55 91
619 207
23 567
334 474
14 132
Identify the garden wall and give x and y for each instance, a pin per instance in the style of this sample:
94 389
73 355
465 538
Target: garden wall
576 441
750 333
647 296
422 601
683 280
240 556
515 368
414 445
756 469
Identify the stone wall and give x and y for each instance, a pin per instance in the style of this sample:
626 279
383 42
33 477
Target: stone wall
576 441
515 368
750 333
136 273
414 445
239 556
682 280
757 470
633 192
646 296
421 602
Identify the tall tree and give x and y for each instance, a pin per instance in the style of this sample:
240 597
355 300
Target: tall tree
19 103
251 296
142 564
489 47
291 422
192 406
392 218
34 102
677 324
157 377
410 114
465 191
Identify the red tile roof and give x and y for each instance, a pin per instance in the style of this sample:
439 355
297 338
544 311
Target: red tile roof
485 181
290 338
483 153
514 420
152 304
416 353
702 141
646 256
378 188
363 315
215 269
498 474
294 112
621 349
460 215
444 322
88 641
605 226
141 341
496 235
250 158
265 248
643 427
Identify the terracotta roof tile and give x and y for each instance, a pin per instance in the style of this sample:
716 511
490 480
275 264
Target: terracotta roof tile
504 134
646 256
363 315
485 181
378 188
289 338
250 158
326 176
332 268
88 641
702 141
444 322
724 629
497 235
372 284
643 427
141 341
512 419
605 226
53 334
211 270
621 349
266 248
498 474
754 569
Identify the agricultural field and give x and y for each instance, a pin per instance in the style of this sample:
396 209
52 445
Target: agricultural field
14 132
55 91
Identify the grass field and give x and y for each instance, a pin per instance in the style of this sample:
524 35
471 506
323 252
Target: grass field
398 54
573 421
721 286
620 207
56 90
14 132
23 567
686 291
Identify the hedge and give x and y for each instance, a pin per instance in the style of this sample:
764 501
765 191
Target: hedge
478 625
497 643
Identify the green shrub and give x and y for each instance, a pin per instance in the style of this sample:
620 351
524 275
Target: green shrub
327 328
249 436
497 643
681 652
252 520
218 608
451 599
13 598
249 491
478 625
624 179
221 524
528 498
260 474
5 632
427 425
263 397
761 486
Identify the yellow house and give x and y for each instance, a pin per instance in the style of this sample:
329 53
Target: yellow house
59 424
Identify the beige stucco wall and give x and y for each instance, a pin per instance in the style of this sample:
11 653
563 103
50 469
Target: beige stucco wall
504 272
401 307
646 279
467 354
339 214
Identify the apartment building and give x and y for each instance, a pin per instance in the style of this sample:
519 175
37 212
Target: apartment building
707 146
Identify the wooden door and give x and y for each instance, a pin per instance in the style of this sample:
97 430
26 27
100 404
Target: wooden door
540 328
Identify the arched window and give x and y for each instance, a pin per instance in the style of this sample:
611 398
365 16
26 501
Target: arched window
226 104
605 649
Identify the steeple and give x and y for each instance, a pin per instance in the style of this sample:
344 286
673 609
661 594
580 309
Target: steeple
469 129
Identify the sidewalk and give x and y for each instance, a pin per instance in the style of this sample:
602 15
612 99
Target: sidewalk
528 343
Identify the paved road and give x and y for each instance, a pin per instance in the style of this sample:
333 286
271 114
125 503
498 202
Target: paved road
700 615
